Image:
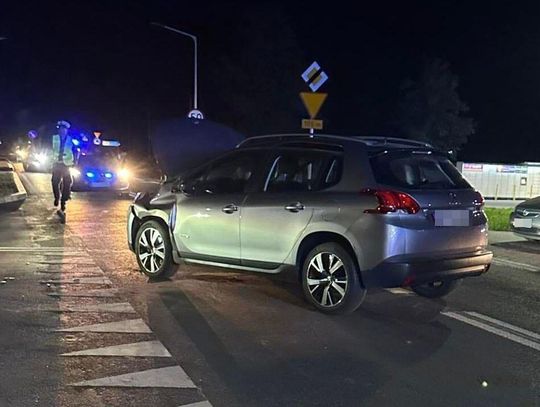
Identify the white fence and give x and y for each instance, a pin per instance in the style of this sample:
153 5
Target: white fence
503 181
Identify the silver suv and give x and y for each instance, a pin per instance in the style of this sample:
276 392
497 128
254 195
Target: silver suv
346 213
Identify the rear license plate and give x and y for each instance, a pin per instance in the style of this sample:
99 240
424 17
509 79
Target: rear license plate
452 217
523 223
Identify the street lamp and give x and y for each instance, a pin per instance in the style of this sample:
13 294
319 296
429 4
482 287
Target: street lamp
195 113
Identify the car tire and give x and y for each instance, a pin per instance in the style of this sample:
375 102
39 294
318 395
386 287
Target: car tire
341 292
436 289
153 250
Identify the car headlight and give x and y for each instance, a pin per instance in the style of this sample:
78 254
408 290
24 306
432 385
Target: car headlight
74 172
41 158
124 174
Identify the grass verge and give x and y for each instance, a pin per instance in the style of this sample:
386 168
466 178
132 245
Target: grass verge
499 218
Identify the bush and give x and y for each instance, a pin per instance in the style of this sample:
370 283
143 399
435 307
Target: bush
499 218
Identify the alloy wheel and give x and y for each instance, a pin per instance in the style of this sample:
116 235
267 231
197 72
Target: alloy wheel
327 279
151 250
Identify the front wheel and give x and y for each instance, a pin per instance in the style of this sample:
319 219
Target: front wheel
436 289
331 281
154 250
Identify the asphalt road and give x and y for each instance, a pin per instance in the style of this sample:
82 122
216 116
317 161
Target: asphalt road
242 339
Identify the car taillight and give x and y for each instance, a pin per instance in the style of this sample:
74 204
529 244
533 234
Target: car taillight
478 200
391 201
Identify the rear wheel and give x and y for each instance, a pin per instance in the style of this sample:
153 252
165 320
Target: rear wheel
331 281
436 289
153 250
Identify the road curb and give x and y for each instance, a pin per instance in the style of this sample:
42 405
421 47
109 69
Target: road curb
13 201
19 167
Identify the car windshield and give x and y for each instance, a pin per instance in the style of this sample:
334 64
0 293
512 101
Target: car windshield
416 170
101 154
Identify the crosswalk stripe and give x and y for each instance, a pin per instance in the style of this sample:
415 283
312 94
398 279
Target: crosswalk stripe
169 377
121 307
137 349
134 326
81 280
108 293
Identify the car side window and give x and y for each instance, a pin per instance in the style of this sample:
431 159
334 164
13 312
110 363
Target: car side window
303 171
227 176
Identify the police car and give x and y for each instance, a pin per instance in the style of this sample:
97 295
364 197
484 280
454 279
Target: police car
99 165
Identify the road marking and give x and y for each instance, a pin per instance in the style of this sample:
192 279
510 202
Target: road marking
121 307
153 349
86 262
505 325
494 326
73 274
399 291
205 403
52 251
108 293
82 280
131 326
171 377
515 264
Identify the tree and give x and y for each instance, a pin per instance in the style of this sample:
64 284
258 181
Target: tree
255 77
430 108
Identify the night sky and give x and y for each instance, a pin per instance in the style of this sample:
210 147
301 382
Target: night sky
102 66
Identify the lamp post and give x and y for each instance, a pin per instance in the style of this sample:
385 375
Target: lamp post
195 113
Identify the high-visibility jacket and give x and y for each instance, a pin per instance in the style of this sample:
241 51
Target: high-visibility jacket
67 156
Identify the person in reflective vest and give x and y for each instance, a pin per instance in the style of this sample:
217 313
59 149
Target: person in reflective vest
63 161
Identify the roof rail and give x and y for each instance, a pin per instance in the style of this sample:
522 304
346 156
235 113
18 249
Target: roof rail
254 139
367 140
382 140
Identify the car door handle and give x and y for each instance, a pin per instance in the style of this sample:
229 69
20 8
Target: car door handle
231 208
295 207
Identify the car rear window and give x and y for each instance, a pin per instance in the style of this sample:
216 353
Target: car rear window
416 170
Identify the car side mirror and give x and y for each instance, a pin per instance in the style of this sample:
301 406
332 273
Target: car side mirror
183 187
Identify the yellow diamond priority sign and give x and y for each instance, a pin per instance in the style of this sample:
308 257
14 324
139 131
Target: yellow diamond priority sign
313 102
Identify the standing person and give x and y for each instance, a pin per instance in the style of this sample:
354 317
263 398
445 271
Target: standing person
63 159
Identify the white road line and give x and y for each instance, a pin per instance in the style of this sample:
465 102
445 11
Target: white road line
132 326
505 325
154 349
504 333
399 291
205 403
515 264
170 377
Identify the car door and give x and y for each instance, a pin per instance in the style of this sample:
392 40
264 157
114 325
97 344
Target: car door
275 217
209 207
